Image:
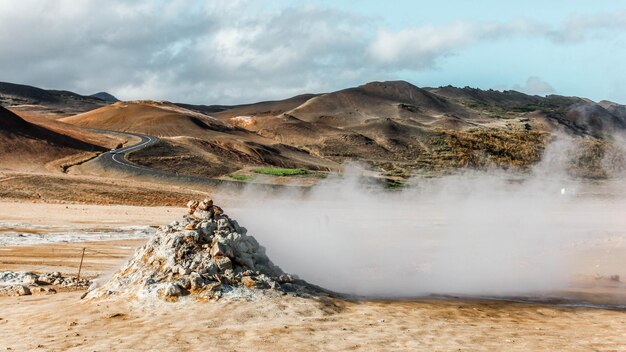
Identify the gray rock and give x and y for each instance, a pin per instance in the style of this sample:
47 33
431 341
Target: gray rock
196 281
221 249
171 290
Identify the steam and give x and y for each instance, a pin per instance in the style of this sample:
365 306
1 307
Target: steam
475 233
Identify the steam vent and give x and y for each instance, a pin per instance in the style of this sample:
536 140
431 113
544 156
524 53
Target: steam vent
205 255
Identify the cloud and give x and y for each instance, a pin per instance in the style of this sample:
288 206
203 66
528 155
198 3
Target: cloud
210 53
418 48
535 86
233 51
421 47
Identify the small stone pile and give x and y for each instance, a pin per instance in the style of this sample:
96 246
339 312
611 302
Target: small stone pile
205 255
24 283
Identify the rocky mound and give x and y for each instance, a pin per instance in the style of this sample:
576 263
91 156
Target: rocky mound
206 255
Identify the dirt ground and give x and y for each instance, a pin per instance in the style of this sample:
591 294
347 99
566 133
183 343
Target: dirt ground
53 188
64 322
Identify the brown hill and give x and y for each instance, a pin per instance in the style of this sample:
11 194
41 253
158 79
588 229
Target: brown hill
262 108
397 99
394 126
27 145
159 119
194 143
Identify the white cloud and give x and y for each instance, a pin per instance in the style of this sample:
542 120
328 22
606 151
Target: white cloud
418 47
231 51
535 86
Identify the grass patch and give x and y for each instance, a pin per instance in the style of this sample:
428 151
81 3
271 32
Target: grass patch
280 171
240 177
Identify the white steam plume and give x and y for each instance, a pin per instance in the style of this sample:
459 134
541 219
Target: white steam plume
476 233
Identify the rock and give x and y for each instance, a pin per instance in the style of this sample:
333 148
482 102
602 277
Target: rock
23 291
196 281
29 279
39 290
219 249
614 278
193 204
217 211
208 228
248 282
206 204
45 280
223 263
285 278
171 290
202 214
223 223
184 282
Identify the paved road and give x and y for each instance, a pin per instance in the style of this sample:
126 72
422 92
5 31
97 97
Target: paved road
119 156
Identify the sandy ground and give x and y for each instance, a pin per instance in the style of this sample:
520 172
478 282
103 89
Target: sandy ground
100 257
86 215
63 322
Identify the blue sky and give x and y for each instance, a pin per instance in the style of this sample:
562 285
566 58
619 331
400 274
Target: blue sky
594 68
219 51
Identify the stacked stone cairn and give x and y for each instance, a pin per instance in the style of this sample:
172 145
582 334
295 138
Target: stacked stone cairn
205 255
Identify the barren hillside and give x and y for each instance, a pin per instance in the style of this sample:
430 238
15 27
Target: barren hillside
27 145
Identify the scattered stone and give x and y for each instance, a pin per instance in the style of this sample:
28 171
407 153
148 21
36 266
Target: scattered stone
26 283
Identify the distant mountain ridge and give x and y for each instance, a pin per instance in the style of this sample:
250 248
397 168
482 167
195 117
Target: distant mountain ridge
105 96
48 101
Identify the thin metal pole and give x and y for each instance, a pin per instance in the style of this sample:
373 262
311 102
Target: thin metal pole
81 263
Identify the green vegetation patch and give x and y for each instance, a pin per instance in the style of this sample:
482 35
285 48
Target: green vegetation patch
280 171
240 177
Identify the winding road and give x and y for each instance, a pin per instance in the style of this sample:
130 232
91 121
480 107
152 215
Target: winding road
115 160
118 155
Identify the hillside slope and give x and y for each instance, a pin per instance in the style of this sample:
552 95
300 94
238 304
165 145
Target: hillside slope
194 143
57 102
27 145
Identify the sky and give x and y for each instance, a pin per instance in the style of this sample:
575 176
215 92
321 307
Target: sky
239 51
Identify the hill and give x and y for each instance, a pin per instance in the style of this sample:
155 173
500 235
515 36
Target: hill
27 145
394 126
58 102
195 143
400 128
105 96
159 119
